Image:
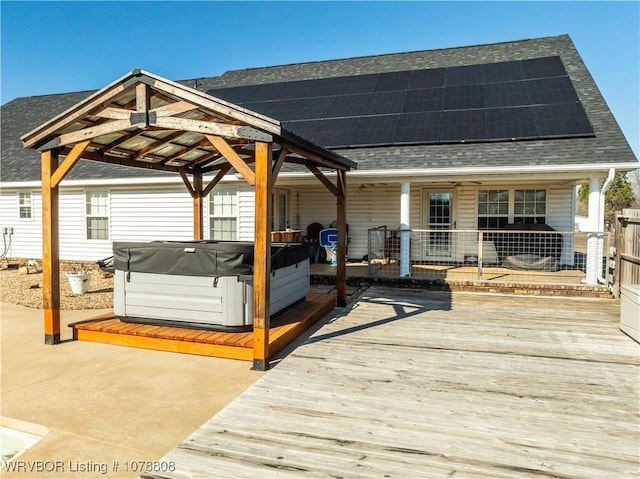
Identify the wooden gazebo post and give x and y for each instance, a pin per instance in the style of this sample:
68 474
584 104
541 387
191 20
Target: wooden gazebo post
341 251
262 257
50 248
198 230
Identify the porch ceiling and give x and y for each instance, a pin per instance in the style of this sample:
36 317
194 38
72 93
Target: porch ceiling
143 120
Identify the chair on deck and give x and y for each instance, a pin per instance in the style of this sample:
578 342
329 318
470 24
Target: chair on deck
313 237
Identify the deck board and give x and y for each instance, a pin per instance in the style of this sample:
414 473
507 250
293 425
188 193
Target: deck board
409 384
285 328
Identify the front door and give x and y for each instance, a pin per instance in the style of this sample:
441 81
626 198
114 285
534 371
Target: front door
437 215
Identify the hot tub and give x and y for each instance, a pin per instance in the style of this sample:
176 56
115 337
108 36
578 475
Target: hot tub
202 284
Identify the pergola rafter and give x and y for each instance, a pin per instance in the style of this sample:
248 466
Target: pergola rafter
145 121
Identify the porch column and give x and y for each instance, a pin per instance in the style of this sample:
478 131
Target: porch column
50 249
594 253
405 233
262 258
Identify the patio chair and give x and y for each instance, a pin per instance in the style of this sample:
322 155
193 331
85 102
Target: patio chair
313 237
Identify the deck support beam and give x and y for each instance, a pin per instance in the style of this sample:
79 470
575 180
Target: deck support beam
262 257
50 248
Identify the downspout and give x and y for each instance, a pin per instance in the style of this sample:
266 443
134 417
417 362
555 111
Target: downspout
603 191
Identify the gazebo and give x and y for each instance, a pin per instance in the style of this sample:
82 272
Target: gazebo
145 121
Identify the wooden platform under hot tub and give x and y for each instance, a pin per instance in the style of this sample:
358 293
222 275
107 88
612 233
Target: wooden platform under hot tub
285 328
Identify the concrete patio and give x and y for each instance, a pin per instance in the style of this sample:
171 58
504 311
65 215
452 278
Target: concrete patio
100 404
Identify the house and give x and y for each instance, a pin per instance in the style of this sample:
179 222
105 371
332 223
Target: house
473 138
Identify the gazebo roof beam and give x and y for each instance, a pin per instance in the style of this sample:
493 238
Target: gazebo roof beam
188 149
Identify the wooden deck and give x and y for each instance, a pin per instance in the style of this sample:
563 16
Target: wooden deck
285 328
412 384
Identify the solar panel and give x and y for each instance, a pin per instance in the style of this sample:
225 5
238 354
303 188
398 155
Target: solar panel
416 127
551 90
428 99
335 132
375 130
513 93
511 123
464 97
502 72
564 119
348 105
484 102
297 89
465 75
317 107
385 102
266 91
544 67
392 81
357 84
283 110
305 129
464 125
432 78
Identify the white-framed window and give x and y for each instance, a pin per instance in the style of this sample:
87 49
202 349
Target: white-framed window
493 209
97 214
530 206
25 208
500 207
223 214
279 210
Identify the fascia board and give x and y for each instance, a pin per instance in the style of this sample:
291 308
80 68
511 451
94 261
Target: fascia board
114 182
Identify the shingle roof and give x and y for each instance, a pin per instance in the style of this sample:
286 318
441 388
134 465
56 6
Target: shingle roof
504 101
23 115
607 147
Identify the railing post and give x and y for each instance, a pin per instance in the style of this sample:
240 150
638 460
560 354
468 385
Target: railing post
480 248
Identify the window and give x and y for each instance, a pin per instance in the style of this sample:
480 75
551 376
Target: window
223 221
498 208
493 209
279 210
97 214
24 205
530 206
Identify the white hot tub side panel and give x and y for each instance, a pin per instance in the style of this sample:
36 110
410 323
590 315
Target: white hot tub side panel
195 299
198 299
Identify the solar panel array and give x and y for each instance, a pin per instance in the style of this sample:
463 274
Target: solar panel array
523 99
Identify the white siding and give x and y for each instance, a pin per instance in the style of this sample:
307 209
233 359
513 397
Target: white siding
72 226
367 207
27 232
246 213
155 213
560 216
151 214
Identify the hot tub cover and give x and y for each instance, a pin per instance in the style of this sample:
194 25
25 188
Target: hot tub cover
201 258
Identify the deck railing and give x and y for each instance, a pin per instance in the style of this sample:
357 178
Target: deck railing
497 255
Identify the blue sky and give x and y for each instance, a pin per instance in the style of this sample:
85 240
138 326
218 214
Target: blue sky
54 47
